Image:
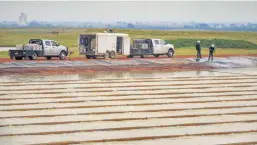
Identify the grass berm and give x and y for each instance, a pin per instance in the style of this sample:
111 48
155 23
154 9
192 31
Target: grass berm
184 41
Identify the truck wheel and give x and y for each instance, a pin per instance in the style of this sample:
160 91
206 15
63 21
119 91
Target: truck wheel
106 55
49 57
113 55
33 57
62 55
18 57
156 55
130 56
88 56
170 53
94 57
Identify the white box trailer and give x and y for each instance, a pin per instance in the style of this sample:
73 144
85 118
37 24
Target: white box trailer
107 45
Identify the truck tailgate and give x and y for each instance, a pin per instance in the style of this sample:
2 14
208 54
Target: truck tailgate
16 52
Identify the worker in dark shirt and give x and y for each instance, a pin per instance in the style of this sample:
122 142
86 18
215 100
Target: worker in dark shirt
198 49
211 51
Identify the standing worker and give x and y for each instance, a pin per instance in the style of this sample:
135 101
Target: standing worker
211 50
198 49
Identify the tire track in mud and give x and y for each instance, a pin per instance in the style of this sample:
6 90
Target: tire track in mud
128 86
119 82
121 90
150 137
174 78
130 128
135 118
241 143
122 99
132 104
133 94
130 111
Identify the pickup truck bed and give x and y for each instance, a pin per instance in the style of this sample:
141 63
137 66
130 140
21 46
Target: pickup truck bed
19 54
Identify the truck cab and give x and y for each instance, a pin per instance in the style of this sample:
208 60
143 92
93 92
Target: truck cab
156 47
39 48
162 47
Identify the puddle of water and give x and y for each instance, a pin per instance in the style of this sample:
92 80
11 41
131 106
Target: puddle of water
129 75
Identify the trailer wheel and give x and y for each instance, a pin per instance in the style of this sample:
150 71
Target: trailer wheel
170 53
113 55
88 56
107 55
18 57
94 57
143 55
156 55
33 57
49 57
130 56
62 55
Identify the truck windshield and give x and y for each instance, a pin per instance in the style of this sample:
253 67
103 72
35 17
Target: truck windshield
54 44
163 42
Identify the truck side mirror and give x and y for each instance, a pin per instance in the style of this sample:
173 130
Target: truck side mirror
58 44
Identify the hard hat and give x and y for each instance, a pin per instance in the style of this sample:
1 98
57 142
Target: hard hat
212 45
198 41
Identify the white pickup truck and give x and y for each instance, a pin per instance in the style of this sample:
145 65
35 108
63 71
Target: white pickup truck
39 48
156 47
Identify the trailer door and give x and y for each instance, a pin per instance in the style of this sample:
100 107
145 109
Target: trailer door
126 46
81 43
106 43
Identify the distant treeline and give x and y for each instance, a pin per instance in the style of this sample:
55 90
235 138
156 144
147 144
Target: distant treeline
219 43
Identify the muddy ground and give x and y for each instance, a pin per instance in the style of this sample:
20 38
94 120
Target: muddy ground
82 65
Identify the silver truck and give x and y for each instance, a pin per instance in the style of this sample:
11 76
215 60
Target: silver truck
156 47
39 48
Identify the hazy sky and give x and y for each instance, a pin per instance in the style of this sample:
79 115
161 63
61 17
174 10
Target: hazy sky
201 11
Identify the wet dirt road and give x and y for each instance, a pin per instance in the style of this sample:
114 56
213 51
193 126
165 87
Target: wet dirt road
195 107
136 64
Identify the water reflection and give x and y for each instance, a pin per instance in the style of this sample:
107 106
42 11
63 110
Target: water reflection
198 73
121 75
